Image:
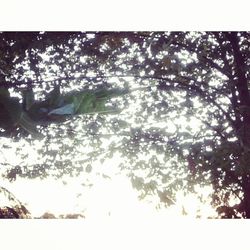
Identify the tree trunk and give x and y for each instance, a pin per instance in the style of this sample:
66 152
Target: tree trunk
241 85
246 200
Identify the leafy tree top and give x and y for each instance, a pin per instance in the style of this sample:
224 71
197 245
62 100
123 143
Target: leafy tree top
166 81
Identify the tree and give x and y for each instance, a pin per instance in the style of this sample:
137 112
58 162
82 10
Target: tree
172 79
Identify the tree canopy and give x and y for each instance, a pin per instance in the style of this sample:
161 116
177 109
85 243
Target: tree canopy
174 107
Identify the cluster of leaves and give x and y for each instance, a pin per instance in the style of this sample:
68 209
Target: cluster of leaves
14 209
184 119
55 107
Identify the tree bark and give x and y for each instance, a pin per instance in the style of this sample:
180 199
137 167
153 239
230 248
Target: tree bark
246 199
240 74
241 84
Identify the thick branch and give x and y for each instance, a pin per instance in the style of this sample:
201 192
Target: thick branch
240 73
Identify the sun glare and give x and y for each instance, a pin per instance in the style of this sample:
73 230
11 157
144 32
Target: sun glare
112 198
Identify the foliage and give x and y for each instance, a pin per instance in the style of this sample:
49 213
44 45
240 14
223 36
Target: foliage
54 107
183 99
14 209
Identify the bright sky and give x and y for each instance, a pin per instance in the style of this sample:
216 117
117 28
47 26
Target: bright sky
108 198
114 199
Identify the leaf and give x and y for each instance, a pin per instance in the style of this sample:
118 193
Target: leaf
166 61
137 183
65 110
164 197
88 169
85 103
107 94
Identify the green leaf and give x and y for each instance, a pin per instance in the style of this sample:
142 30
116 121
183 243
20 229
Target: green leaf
108 94
84 103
